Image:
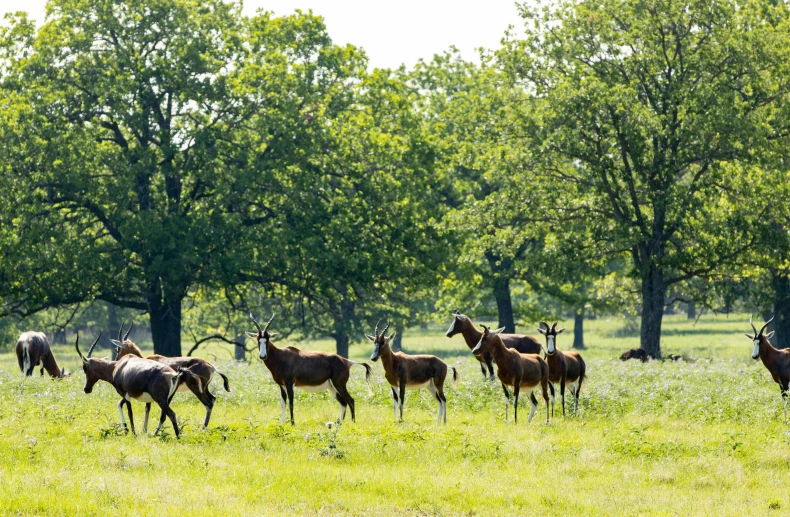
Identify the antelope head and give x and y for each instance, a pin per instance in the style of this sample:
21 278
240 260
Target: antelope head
486 340
759 336
551 335
123 346
263 336
379 340
89 366
457 324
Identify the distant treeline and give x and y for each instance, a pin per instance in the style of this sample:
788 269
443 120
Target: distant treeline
177 160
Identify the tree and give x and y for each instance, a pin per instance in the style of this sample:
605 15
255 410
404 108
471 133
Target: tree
149 144
650 109
360 233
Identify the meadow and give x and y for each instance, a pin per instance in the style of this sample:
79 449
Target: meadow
698 437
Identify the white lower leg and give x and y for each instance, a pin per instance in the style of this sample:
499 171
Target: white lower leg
342 412
507 410
532 408
120 410
395 409
282 409
145 422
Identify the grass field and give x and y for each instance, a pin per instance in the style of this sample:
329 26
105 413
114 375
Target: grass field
692 438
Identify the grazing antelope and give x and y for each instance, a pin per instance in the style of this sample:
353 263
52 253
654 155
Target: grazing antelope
567 368
134 378
777 361
32 349
202 370
463 325
517 370
410 371
635 353
309 371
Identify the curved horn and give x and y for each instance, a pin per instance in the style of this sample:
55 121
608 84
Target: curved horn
120 331
125 337
766 324
457 311
376 330
553 327
753 327
544 324
90 350
269 322
385 328
77 345
256 323
484 327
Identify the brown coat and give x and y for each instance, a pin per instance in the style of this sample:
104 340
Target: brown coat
517 370
520 342
32 349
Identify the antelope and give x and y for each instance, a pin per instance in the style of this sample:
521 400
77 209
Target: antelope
202 370
635 353
777 361
134 378
404 371
517 370
463 325
32 349
564 367
309 371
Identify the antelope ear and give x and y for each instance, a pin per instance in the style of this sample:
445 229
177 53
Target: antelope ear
273 335
116 344
541 331
770 334
370 337
461 317
497 331
561 330
749 336
251 334
391 336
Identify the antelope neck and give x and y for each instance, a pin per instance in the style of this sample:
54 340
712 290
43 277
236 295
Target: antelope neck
470 333
104 369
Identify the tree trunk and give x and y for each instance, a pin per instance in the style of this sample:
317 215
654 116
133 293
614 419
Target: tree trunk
578 329
341 344
112 325
781 323
653 298
165 326
500 269
397 343
342 326
691 310
239 353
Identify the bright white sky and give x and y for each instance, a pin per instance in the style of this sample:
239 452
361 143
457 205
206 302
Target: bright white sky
391 32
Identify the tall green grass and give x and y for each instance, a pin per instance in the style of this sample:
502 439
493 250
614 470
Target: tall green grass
697 438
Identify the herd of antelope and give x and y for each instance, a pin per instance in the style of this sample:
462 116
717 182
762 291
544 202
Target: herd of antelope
156 378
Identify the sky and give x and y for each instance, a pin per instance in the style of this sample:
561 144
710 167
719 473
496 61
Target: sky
391 32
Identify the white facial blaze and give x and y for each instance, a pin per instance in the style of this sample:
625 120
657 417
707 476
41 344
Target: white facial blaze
262 348
756 352
452 326
550 345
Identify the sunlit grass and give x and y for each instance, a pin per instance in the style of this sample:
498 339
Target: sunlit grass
700 438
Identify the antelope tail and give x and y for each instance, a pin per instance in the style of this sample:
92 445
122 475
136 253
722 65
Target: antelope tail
225 382
455 374
367 372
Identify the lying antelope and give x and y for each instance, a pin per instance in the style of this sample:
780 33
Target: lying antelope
777 361
202 370
309 371
134 378
32 349
410 371
567 368
517 370
463 325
